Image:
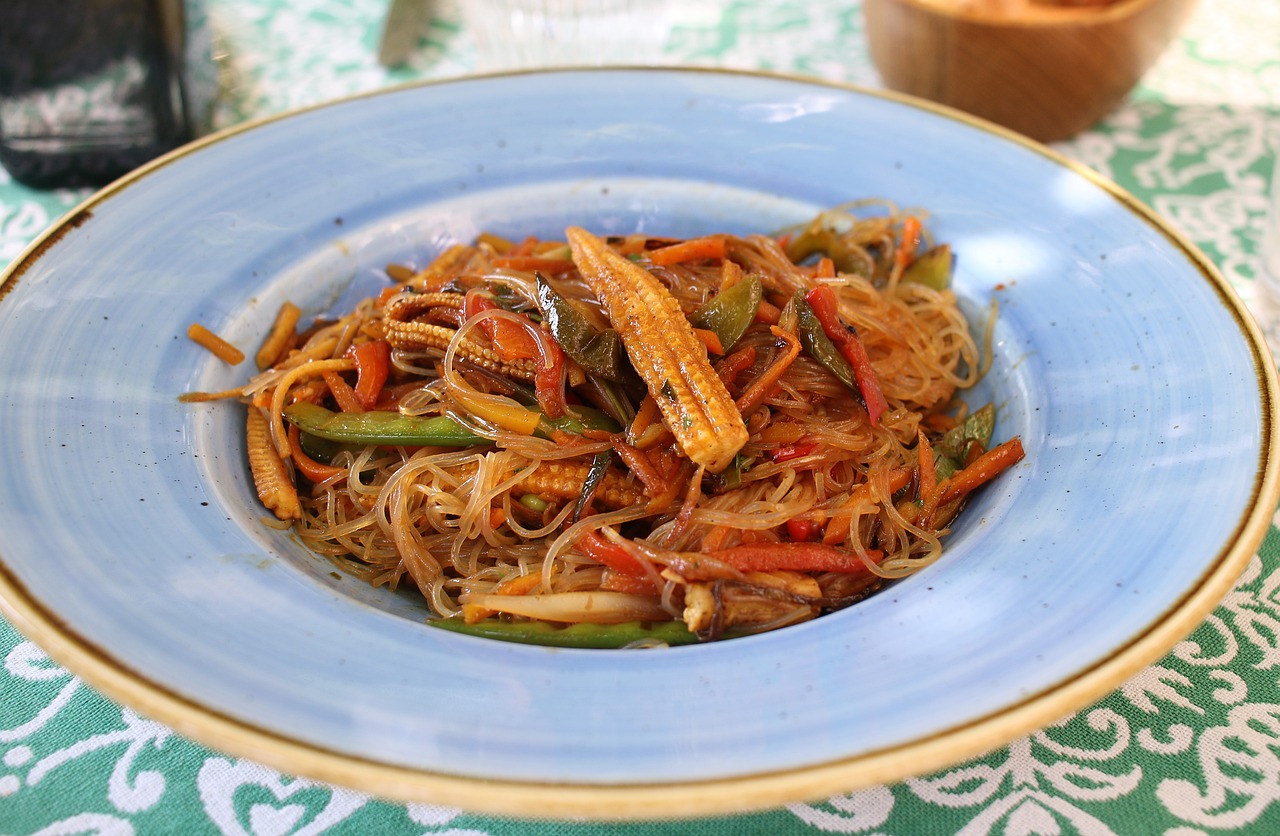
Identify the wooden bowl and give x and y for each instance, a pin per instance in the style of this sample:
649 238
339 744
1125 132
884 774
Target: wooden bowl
1046 69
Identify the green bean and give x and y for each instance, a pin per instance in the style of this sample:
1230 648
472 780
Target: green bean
387 428
597 636
383 428
952 450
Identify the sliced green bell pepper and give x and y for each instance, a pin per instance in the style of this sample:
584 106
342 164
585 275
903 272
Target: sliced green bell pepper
846 257
951 451
598 351
821 348
730 312
932 269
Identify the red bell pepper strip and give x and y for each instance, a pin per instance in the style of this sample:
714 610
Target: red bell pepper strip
514 341
800 530
825 308
548 380
510 340
373 365
793 451
611 555
794 557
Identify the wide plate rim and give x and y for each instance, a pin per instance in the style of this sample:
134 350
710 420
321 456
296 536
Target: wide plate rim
207 726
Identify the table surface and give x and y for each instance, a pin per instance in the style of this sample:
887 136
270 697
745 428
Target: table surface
1190 745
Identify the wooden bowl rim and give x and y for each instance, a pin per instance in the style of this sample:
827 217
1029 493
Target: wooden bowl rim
1065 17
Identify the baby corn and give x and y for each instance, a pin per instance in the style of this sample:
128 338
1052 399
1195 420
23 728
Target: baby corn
270 476
664 350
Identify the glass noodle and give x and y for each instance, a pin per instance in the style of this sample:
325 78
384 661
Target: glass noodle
522 430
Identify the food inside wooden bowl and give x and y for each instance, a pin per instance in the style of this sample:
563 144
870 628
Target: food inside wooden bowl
1045 68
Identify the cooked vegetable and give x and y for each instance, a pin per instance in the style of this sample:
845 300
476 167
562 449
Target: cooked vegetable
698 409
382 428
598 351
581 635
730 312
823 302
395 428
633 440
220 348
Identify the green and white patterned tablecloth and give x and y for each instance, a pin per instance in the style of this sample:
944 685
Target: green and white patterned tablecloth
1189 746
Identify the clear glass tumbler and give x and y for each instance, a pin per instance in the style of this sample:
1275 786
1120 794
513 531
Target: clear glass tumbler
562 33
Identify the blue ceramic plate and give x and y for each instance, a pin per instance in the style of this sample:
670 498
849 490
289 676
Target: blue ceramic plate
131 541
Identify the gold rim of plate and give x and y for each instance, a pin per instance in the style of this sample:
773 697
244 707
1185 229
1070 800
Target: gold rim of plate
634 802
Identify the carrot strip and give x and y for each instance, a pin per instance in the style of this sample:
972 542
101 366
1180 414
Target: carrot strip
645 416
825 269
497 243
342 392
534 263
768 313
710 339
928 474
616 581
282 332
783 432
734 364
730 274
211 342
694 249
907 246
524 248
519 585
838 526
985 468
760 387
309 467
639 464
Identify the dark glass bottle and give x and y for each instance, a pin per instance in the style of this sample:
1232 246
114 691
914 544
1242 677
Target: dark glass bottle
90 89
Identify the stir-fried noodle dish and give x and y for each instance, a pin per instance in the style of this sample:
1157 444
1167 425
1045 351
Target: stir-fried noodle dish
631 440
